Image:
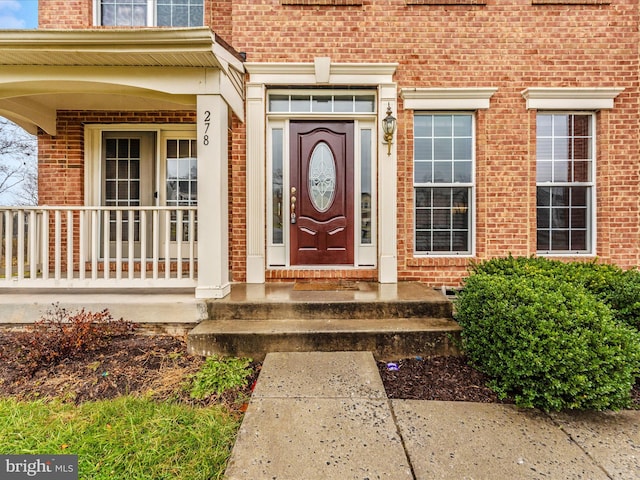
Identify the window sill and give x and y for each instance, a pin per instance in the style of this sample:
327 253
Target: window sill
321 3
445 2
570 2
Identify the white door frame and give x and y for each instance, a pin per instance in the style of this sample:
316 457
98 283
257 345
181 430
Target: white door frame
325 73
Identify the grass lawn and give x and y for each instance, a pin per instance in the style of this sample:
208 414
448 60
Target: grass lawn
124 438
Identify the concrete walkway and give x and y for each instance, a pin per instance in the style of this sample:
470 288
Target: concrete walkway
326 416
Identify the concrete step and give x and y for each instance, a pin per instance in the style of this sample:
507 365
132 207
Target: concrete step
387 338
369 301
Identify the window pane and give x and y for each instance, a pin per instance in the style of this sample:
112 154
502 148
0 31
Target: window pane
442 172
300 103
442 219
441 197
560 240
124 13
543 217
442 125
542 239
423 242
579 196
462 125
365 103
441 241
422 125
423 219
544 149
179 13
462 148
544 171
343 103
578 240
578 218
321 104
442 149
562 171
462 172
423 172
422 149
423 197
560 218
544 125
278 103
561 125
581 171
365 187
560 197
277 186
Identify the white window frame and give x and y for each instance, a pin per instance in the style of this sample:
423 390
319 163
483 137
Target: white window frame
471 186
591 185
152 20
93 144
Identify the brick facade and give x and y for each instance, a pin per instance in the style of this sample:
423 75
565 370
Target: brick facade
510 45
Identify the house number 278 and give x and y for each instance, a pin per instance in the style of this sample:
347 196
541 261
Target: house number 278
207 124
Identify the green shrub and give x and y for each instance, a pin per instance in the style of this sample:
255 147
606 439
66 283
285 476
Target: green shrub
218 375
617 288
547 342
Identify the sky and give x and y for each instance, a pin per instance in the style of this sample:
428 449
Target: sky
18 14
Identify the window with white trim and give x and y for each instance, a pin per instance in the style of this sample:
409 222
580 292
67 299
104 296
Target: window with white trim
444 147
565 146
150 13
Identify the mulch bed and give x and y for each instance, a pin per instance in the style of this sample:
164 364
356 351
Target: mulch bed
159 366
436 378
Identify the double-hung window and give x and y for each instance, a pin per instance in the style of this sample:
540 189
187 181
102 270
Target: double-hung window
149 13
565 145
443 183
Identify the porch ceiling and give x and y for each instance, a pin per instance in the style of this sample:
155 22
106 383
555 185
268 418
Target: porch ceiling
42 71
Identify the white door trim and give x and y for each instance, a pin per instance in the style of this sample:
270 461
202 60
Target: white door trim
326 73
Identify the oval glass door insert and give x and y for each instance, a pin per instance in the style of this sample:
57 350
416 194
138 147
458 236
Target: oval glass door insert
322 177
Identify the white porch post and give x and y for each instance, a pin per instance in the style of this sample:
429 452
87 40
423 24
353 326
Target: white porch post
213 190
387 193
255 184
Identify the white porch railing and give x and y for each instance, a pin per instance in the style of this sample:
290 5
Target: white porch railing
110 247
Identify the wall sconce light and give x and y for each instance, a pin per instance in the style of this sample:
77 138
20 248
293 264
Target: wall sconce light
389 128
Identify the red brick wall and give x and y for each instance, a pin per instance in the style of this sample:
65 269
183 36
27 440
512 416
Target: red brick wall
508 44
65 13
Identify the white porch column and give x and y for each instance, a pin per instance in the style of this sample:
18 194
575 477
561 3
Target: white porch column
387 192
255 184
213 197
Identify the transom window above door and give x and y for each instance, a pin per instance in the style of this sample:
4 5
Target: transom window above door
321 103
150 13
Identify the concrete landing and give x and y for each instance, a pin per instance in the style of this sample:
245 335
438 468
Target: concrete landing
325 416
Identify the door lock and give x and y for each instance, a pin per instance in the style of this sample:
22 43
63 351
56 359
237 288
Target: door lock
293 204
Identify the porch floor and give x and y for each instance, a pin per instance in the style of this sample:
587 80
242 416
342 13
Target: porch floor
173 311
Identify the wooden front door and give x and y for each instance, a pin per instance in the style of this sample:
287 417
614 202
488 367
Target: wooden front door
321 193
